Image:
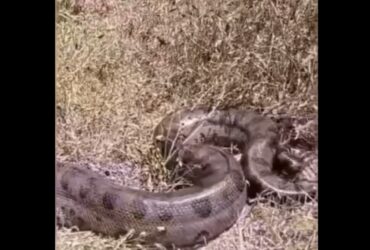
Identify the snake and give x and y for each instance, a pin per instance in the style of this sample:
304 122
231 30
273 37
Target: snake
197 140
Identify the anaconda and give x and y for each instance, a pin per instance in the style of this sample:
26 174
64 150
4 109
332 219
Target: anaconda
196 138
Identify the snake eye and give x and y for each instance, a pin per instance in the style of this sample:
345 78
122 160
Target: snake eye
205 167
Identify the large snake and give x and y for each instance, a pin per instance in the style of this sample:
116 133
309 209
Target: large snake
189 216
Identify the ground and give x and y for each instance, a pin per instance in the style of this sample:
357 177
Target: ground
123 65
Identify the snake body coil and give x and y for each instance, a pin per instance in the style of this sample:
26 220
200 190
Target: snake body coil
193 215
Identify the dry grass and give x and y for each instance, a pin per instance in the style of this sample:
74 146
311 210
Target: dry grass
121 69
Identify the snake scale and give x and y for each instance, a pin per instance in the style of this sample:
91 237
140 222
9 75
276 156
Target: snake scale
189 216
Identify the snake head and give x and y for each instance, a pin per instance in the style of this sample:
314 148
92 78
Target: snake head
193 154
201 164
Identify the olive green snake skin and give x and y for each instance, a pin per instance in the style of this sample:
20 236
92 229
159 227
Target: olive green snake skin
194 215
